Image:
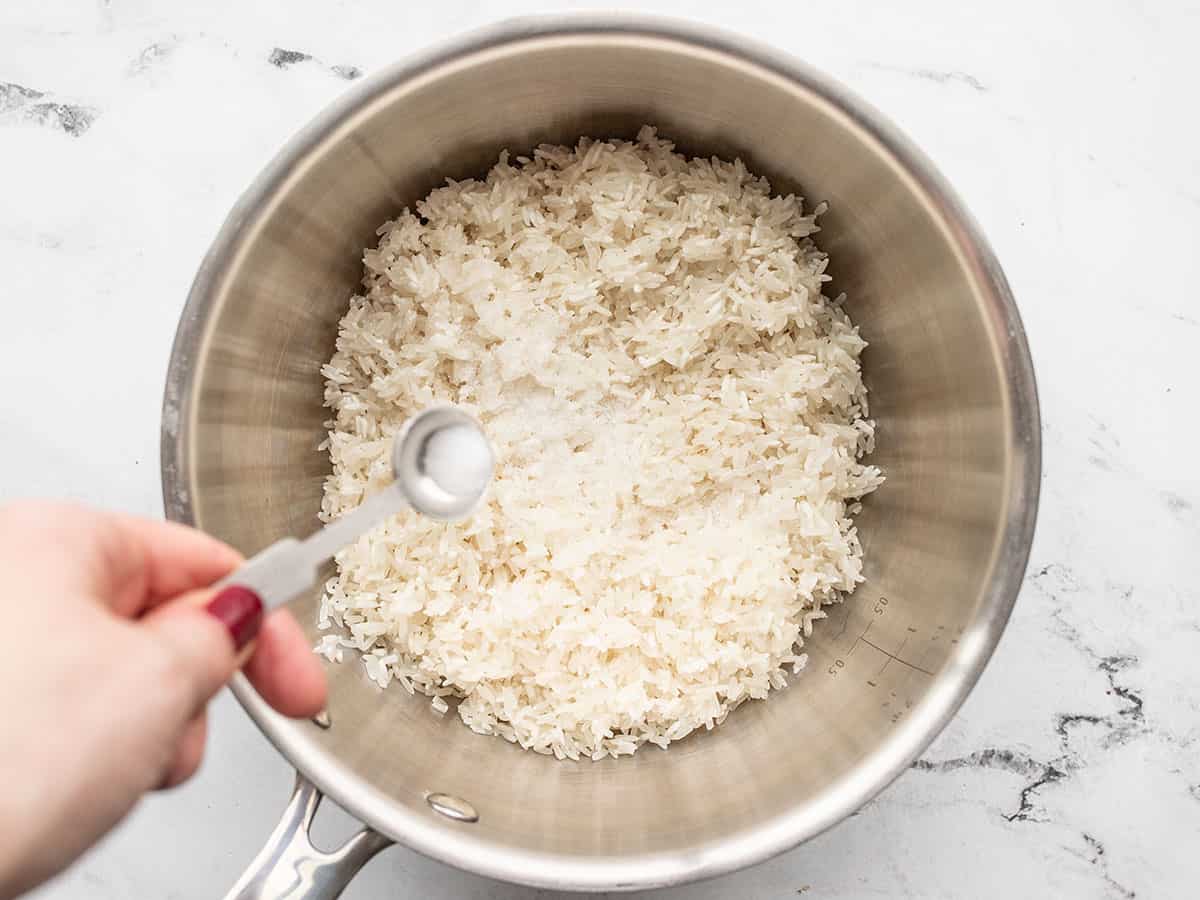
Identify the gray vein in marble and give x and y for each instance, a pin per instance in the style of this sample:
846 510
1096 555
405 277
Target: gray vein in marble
1025 811
1104 438
14 96
991 758
937 76
1118 727
153 55
29 237
30 105
72 119
1094 855
282 58
1104 445
1039 773
1179 506
1130 719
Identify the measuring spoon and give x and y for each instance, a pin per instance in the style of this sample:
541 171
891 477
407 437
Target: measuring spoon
442 465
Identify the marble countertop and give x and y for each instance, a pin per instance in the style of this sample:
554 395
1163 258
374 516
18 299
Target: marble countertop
128 127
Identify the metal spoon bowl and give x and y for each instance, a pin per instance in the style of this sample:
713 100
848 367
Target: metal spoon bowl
442 464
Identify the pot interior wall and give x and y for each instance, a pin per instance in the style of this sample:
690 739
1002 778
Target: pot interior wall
935 368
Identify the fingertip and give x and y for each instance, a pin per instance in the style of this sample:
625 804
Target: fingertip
176 558
284 670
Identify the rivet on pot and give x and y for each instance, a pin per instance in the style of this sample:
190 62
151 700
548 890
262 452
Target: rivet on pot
452 807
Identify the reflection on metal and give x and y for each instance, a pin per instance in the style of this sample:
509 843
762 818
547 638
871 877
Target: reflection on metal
452 807
289 867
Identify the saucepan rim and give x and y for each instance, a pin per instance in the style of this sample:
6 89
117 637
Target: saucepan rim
462 848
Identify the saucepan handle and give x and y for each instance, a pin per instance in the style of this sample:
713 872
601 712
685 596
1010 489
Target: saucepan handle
289 867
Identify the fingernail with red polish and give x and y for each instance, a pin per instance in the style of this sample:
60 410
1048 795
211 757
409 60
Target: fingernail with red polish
240 610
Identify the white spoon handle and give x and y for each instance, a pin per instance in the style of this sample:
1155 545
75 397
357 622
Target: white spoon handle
442 464
289 567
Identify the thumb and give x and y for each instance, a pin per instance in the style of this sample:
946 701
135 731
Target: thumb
208 636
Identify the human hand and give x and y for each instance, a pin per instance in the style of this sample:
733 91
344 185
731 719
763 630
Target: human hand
116 644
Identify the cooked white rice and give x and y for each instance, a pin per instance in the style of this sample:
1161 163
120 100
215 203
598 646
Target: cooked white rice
678 417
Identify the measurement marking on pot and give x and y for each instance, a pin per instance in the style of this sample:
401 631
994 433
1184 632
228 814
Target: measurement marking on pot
839 664
887 662
845 622
860 638
904 662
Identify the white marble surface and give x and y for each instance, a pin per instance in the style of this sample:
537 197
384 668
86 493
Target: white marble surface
128 127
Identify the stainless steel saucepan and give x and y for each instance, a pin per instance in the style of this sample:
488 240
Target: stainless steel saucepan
946 538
